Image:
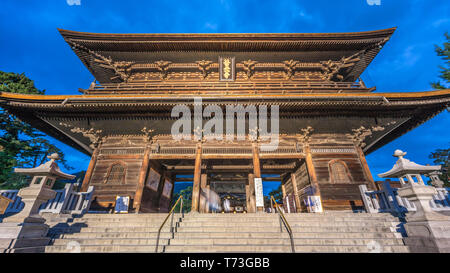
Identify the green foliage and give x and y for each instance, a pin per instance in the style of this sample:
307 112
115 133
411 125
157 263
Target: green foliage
187 199
277 194
443 52
441 157
20 144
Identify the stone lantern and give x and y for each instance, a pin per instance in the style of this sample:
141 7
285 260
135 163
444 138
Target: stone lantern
427 230
413 187
23 229
435 180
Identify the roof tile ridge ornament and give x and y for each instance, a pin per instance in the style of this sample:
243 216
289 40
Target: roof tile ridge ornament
360 134
249 68
120 68
204 66
92 134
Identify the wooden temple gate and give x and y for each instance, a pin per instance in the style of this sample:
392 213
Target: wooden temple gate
146 170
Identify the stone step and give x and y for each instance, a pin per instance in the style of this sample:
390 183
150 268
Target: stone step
275 249
229 220
144 235
237 225
226 248
223 229
228 241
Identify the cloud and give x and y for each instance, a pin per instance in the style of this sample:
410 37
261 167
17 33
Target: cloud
211 26
73 2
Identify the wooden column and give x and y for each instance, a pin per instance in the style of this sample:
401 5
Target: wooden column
203 199
250 194
365 166
295 189
256 168
283 189
141 181
311 170
90 169
197 178
157 200
208 191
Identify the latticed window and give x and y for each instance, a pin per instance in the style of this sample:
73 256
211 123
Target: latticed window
116 174
339 172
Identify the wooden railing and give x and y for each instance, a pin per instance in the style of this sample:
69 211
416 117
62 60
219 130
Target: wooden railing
285 223
172 228
387 200
66 201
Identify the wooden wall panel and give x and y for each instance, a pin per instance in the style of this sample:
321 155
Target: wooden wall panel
125 151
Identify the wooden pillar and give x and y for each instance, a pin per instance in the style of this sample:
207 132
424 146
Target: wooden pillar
90 169
157 200
197 178
283 190
208 197
203 199
250 194
256 168
311 170
295 189
141 181
365 166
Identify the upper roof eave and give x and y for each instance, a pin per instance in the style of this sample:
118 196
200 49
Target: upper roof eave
223 36
389 95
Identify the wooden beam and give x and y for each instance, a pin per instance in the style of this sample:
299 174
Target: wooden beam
197 178
90 169
141 181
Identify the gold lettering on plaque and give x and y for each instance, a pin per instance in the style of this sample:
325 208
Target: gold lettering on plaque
226 68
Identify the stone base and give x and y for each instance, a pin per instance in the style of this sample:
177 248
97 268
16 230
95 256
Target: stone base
428 236
23 235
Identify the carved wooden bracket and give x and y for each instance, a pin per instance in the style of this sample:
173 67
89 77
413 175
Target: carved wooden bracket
148 133
360 134
204 67
249 68
163 67
120 68
93 135
290 67
305 135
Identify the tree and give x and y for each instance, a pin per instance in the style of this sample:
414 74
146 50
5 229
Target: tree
187 201
441 157
20 144
277 194
444 76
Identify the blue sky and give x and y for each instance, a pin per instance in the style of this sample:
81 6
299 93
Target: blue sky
30 43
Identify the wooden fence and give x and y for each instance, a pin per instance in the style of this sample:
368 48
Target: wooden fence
387 200
66 201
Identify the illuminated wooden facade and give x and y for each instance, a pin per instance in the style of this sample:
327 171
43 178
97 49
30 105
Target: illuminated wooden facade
329 120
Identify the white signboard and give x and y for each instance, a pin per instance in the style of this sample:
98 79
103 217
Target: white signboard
314 203
259 192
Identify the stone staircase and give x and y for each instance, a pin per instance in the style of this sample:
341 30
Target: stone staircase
327 232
